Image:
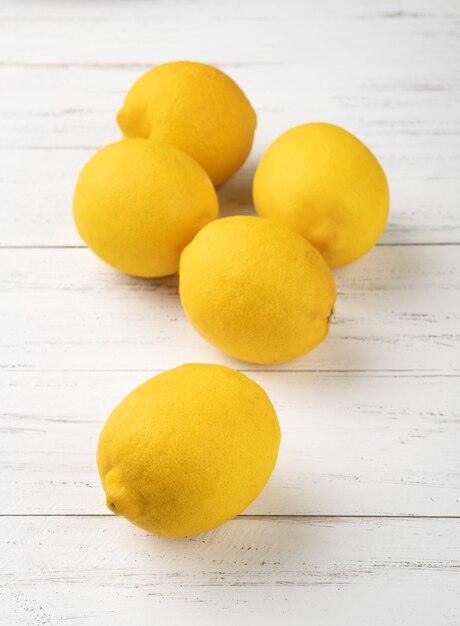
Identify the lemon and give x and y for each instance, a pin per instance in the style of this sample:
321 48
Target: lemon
137 203
256 289
323 182
195 107
188 449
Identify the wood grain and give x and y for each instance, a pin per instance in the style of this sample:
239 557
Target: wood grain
370 419
64 309
352 444
39 213
323 571
402 99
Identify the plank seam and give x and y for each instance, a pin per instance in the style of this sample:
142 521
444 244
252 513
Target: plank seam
81 247
377 373
255 517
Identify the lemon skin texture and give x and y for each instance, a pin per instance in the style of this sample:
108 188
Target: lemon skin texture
323 182
256 289
137 203
188 449
195 107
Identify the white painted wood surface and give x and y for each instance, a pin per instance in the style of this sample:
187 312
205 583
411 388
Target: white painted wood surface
360 523
353 443
251 571
397 309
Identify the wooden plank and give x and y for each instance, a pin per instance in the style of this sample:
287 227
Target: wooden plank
64 309
84 114
324 571
352 444
424 198
359 32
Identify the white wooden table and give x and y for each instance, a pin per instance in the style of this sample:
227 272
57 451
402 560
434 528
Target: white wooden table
360 523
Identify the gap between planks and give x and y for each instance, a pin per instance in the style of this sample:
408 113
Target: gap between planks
298 517
81 247
377 373
130 65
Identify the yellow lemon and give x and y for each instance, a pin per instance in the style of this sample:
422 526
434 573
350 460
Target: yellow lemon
137 203
256 289
195 107
188 449
323 182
